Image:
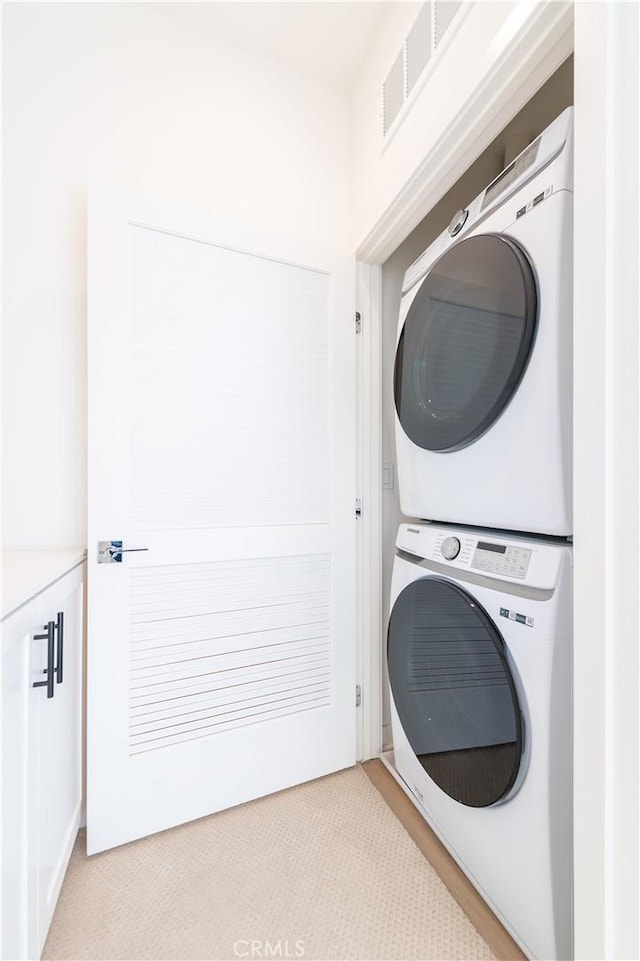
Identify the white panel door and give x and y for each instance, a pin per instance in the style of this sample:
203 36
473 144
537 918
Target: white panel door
221 660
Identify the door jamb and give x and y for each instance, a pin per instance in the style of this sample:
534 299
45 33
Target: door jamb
370 615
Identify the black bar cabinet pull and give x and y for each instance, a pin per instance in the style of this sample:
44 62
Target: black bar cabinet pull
49 670
60 630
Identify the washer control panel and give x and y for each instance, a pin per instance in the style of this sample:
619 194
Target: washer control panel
450 548
498 555
505 559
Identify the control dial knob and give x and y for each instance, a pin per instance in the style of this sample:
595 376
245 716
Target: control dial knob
458 222
450 548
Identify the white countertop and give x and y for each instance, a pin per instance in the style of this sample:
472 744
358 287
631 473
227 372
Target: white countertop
26 573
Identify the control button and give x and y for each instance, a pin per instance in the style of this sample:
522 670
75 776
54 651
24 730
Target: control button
450 548
458 222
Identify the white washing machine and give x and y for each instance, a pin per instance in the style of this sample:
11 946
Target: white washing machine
483 386
479 656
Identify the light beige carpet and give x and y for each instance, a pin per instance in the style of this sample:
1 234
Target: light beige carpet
321 871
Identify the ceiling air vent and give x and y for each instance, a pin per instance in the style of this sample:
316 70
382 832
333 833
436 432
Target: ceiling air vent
393 93
418 46
444 12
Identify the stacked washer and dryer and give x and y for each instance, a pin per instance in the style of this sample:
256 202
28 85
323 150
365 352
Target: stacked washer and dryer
479 637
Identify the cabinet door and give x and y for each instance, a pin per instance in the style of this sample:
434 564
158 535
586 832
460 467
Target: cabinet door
55 752
17 633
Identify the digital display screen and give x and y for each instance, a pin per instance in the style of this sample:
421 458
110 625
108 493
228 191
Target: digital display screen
496 548
512 172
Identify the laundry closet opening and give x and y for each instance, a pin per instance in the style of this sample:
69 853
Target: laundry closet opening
547 104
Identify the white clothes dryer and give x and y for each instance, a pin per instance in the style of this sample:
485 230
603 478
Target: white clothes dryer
479 656
483 376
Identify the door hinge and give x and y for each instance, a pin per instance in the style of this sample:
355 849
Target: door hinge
358 695
358 322
358 507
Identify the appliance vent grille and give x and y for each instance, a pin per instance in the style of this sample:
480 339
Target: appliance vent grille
432 22
444 12
418 46
393 93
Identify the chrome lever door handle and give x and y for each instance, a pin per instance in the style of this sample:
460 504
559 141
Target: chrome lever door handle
110 552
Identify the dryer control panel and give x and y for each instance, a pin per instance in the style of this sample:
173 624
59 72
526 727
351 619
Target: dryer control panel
535 158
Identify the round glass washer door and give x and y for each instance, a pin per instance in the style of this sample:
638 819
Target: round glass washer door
465 342
454 691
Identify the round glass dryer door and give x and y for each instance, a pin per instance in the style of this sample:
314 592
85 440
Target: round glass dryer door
454 692
465 342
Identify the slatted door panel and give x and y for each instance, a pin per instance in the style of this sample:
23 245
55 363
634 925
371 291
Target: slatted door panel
218 646
237 346
221 435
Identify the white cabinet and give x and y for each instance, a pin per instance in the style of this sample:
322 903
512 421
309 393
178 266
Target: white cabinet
42 758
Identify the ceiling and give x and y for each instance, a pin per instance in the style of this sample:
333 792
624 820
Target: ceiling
328 40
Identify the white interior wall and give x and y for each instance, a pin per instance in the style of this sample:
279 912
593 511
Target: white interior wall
606 663
551 99
120 91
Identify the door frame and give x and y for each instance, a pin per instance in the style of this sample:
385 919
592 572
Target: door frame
370 614
607 372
